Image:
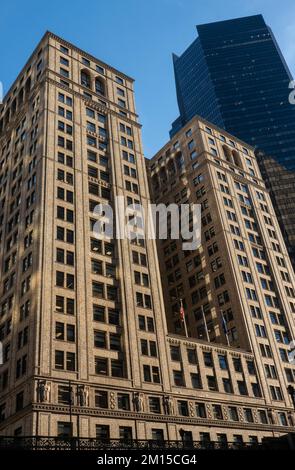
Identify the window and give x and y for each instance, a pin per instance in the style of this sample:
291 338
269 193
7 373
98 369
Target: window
158 435
237 364
222 362
64 429
102 432
182 408
175 353
178 378
117 369
154 405
64 395
97 289
205 439
227 385
64 49
100 339
123 401
248 415
251 367
60 360
98 313
208 361
115 342
64 72
233 413
2 412
256 390
242 387
101 399
120 92
217 412
147 373
99 86
212 384
192 356
262 416
200 410
196 381
85 79
19 401
121 103
222 440
101 366
151 374
276 393
238 440
125 433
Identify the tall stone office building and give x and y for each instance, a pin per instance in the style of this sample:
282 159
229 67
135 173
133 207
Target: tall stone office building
235 76
82 320
238 287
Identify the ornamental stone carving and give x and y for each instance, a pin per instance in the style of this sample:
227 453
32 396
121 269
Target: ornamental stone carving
44 388
272 416
138 400
241 414
83 395
225 412
209 411
291 418
169 405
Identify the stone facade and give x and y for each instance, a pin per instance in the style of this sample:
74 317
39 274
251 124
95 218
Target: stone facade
86 347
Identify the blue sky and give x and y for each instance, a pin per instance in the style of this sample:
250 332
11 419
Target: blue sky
135 36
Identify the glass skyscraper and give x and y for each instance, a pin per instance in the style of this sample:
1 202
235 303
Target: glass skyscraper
235 76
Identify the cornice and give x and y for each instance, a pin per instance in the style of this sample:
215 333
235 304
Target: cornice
68 44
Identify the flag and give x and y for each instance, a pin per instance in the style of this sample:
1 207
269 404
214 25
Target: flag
224 324
181 311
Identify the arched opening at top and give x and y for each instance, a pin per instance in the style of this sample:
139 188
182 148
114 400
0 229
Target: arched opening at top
28 86
155 182
13 106
20 96
171 168
163 175
227 154
179 161
7 117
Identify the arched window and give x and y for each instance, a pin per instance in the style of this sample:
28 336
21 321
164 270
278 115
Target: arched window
179 161
28 86
13 106
227 154
21 97
7 117
171 168
85 78
99 86
163 175
155 182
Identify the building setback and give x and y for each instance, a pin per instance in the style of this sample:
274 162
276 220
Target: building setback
235 76
82 320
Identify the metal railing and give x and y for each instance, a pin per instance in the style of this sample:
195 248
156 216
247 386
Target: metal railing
89 444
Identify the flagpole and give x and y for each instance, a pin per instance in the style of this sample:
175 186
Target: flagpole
182 314
205 324
224 324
